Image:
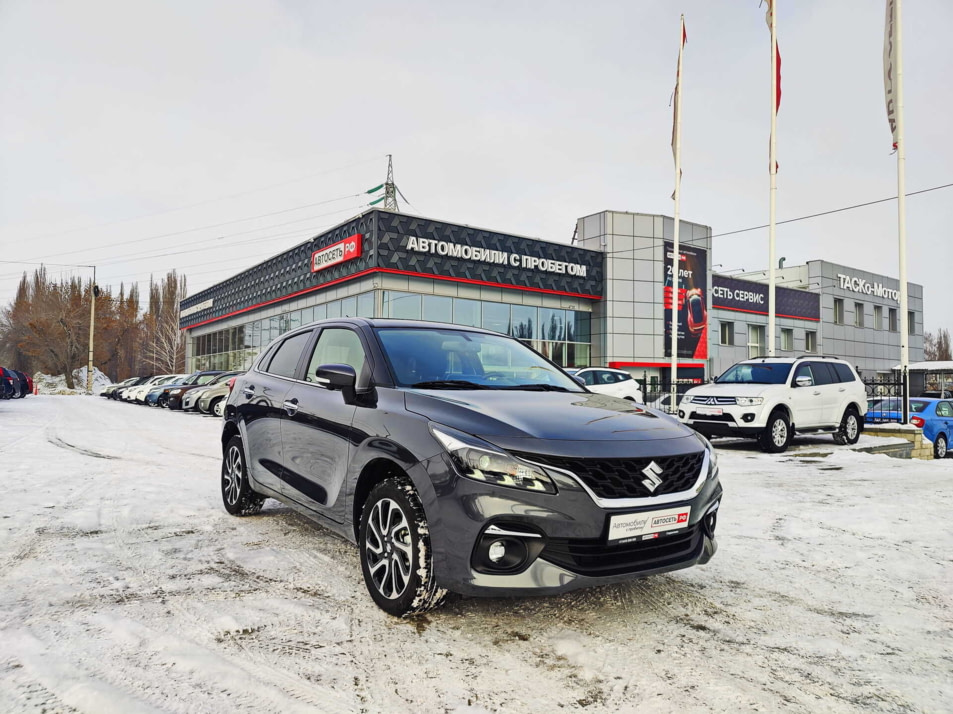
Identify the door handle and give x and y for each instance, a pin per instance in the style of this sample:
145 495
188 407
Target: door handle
291 406
841 390
816 393
249 391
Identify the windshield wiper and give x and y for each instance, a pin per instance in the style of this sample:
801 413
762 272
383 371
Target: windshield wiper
449 384
536 388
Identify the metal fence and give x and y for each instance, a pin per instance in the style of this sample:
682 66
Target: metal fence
657 393
886 399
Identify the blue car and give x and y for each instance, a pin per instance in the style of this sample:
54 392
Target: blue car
935 417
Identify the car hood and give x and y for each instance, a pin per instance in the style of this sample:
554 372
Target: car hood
547 416
731 390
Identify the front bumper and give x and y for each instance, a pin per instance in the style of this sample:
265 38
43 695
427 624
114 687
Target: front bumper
574 529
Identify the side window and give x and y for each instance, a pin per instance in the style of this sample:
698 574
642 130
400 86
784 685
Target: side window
336 345
823 374
606 378
944 409
803 370
589 378
286 357
623 377
845 373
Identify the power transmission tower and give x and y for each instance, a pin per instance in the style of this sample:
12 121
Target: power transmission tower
390 189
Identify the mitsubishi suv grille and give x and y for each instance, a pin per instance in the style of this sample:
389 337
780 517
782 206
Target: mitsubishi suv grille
622 478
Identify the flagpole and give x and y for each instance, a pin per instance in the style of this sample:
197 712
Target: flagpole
677 196
902 214
773 171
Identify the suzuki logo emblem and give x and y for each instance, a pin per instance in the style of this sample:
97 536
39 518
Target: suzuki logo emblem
653 471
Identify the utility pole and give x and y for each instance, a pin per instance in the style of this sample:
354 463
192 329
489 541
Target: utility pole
390 190
92 326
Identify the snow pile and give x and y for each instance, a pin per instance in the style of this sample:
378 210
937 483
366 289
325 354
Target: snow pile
50 384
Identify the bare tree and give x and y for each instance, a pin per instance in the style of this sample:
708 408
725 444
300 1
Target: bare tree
164 347
943 345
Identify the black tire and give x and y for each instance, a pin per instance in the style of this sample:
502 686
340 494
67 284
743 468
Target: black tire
940 447
849 430
237 495
162 401
394 545
777 433
211 405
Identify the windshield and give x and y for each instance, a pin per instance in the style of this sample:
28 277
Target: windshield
756 373
431 358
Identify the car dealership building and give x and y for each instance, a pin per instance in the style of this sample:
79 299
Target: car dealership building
604 299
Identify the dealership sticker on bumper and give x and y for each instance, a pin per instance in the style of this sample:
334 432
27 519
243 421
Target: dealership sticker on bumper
632 525
710 411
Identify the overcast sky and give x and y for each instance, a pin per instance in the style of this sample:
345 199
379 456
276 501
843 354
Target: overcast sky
125 126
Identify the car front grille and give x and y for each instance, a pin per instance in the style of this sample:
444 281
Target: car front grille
715 401
595 558
622 478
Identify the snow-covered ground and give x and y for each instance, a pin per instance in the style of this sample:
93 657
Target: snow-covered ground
125 587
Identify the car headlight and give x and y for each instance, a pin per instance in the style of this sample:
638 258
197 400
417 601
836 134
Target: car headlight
712 456
481 461
749 401
687 399
176 391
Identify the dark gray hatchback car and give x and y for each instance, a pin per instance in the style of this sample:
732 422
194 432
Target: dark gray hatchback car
461 460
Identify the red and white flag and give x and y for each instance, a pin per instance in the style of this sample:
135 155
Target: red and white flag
675 112
889 94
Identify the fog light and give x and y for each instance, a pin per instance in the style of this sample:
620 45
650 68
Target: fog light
496 551
681 414
748 418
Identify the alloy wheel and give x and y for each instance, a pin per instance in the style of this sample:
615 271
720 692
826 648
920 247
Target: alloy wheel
851 427
779 432
389 548
233 475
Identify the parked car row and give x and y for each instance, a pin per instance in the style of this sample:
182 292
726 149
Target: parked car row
14 384
185 392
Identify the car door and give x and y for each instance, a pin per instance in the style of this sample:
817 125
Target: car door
943 422
317 434
833 393
259 404
805 400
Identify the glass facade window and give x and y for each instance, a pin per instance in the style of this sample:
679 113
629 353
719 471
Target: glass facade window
911 323
437 308
552 324
561 335
403 306
838 311
525 321
858 314
496 317
466 312
787 339
810 341
878 317
727 333
892 319
365 305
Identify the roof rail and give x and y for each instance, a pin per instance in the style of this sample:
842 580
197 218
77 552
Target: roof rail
818 357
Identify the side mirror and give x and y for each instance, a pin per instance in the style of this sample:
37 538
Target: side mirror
580 380
338 377
804 382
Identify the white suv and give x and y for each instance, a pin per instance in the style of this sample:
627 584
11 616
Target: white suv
605 380
771 398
